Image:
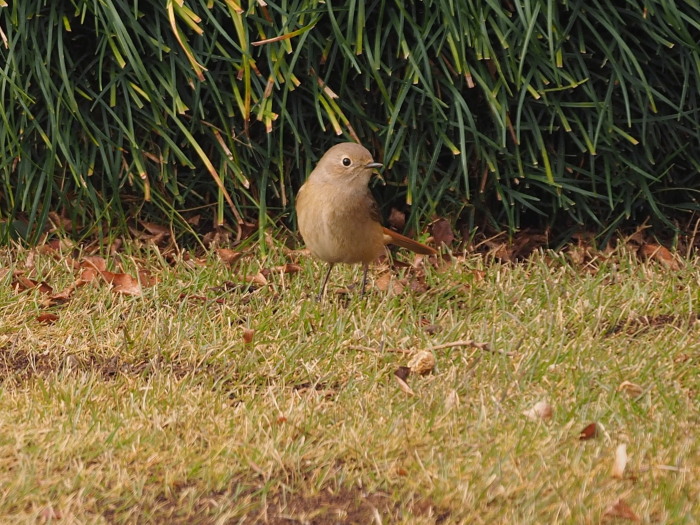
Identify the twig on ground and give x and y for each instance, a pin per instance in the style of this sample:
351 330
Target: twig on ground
474 344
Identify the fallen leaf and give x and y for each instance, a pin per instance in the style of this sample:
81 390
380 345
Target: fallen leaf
402 372
541 410
258 279
477 275
387 283
618 470
432 329
48 513
47 318
95 262
660 254
501 251
54 246
589 432
418 284
422 362
228 257
382 282
115 246
146 279
155 229
631 389
288 268
123 283
397 219
620 509
60 222
61 297
87 275
201 298
248 334
451 400
29 263
404 386
23 283
442 233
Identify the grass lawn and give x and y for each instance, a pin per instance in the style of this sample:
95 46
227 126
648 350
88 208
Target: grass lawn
208 398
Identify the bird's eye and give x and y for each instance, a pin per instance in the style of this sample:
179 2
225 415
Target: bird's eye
346 161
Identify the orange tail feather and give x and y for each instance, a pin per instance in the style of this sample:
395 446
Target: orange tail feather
391 237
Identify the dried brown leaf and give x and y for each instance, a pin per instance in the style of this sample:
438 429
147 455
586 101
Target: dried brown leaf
540 410
404 386
62 297
387 283
288 268
258 279
621 509
418 284
501 251
631 389
22 283
87 275
590 431
382 282
121 282
397 219
146 279
248 334
402 372
47 318
49 514
53 247
451 400
660 254
430 328
227 256
442 233
95 262
60 222
124 283
155 229
620 463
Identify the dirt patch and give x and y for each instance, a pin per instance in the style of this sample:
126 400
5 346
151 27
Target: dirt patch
347 505
21 365
327 507
642 323
344 506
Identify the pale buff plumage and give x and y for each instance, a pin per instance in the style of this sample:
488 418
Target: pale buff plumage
337 215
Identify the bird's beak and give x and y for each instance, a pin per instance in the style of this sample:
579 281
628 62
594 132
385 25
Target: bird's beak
373 166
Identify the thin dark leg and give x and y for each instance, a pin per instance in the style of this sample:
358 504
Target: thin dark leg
364 280
319 297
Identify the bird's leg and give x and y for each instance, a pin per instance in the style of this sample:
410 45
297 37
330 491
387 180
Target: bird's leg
319 297
364 279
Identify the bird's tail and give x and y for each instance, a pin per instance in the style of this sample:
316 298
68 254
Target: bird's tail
391 237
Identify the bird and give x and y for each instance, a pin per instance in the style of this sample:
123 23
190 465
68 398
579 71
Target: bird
338 217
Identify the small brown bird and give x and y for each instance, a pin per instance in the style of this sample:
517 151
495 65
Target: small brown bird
338 217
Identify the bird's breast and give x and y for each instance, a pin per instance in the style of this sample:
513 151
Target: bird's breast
336 223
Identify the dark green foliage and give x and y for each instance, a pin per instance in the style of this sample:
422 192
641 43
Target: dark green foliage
571 114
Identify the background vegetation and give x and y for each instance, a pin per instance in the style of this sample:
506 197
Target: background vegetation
500 114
